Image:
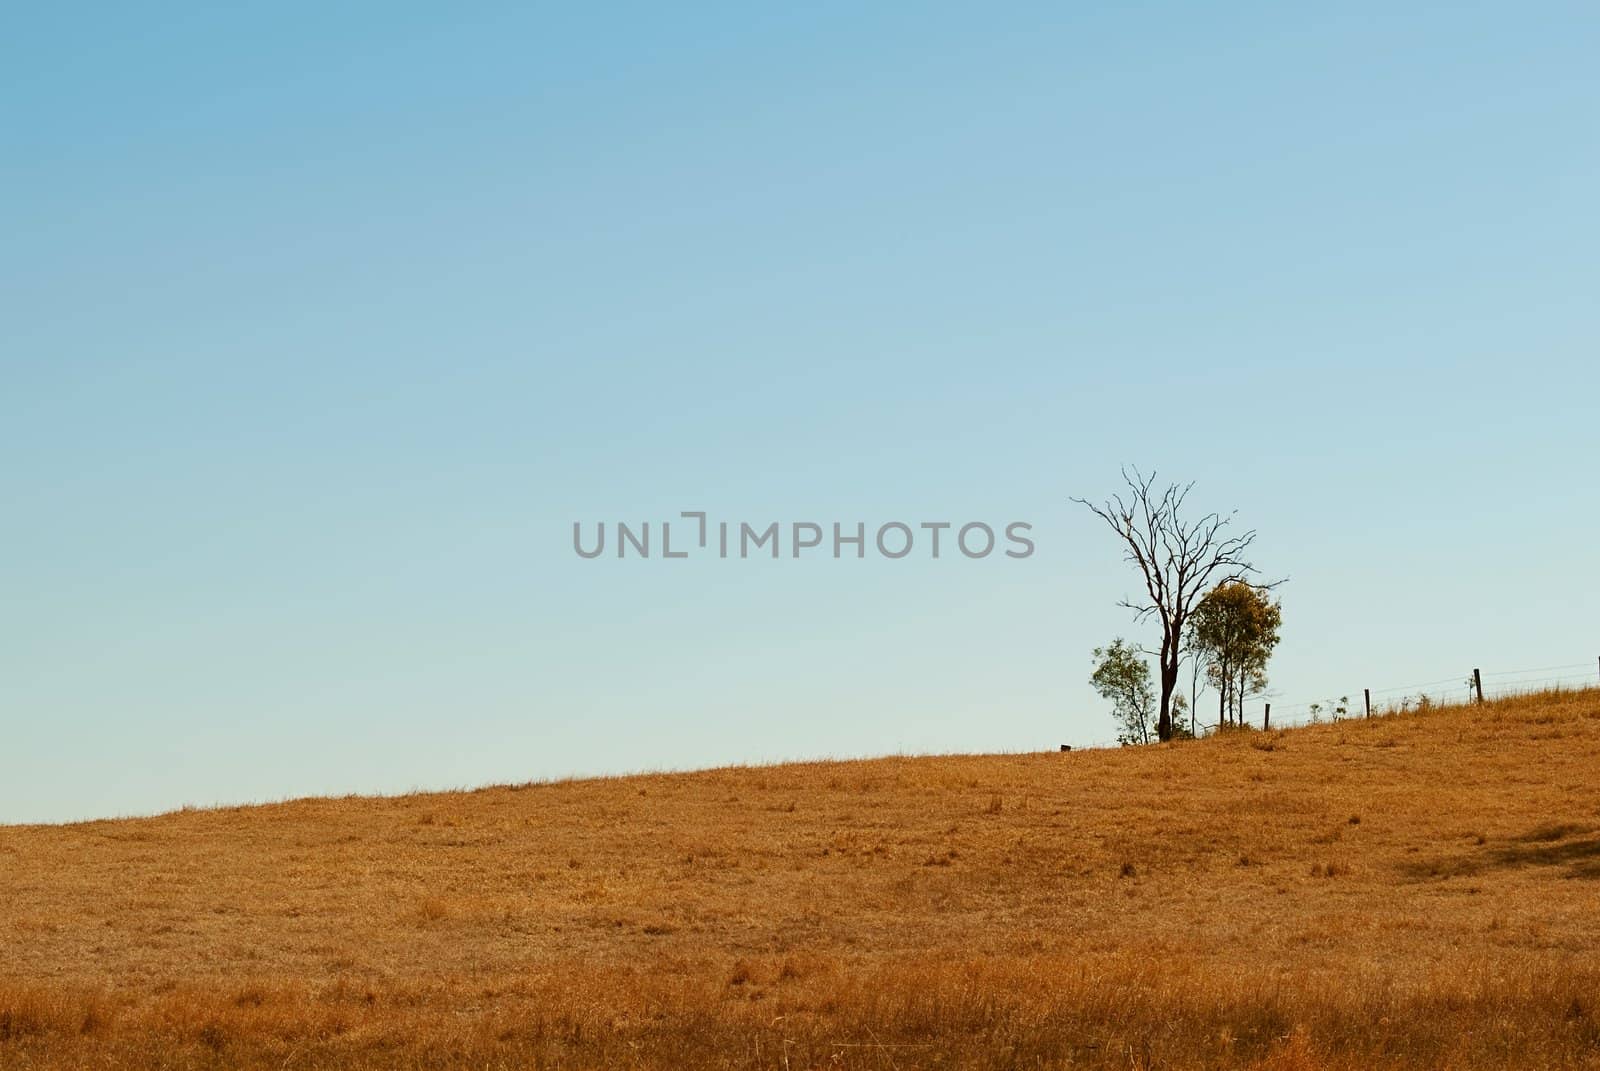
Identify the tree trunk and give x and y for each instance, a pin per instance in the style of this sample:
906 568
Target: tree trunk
1169 683
1194 697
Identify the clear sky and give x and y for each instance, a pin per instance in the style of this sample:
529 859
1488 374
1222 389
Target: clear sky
321 325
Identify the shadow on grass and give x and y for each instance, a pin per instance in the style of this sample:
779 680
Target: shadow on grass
1575 848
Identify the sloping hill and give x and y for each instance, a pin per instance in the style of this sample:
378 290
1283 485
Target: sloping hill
1419 890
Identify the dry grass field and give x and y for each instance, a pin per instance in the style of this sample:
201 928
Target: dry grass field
1417 891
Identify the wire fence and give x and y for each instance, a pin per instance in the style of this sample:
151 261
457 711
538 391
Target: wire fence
1474 685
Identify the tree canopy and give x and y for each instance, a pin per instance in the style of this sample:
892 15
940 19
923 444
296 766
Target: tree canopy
1233 632
1122 677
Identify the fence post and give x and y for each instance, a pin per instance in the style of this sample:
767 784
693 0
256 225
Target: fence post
1477 684
1367 695
1266 717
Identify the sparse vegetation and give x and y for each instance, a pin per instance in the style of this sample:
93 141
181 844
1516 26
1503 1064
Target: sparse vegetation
1323 902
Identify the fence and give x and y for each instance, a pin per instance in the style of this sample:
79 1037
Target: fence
1475 685
1471 686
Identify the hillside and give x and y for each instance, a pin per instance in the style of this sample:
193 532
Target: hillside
1420 890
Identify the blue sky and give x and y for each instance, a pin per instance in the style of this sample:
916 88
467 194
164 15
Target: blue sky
320 327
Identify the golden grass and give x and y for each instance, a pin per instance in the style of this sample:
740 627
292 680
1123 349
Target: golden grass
1418 891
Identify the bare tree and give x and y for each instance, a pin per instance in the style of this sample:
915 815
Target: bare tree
1180 560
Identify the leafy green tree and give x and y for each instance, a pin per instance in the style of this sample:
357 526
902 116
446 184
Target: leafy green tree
1233 631
1122 677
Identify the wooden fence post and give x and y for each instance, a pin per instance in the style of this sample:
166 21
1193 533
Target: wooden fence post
1367 694
1266 717
1477 684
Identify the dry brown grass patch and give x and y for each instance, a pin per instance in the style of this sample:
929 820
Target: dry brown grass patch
1298 899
